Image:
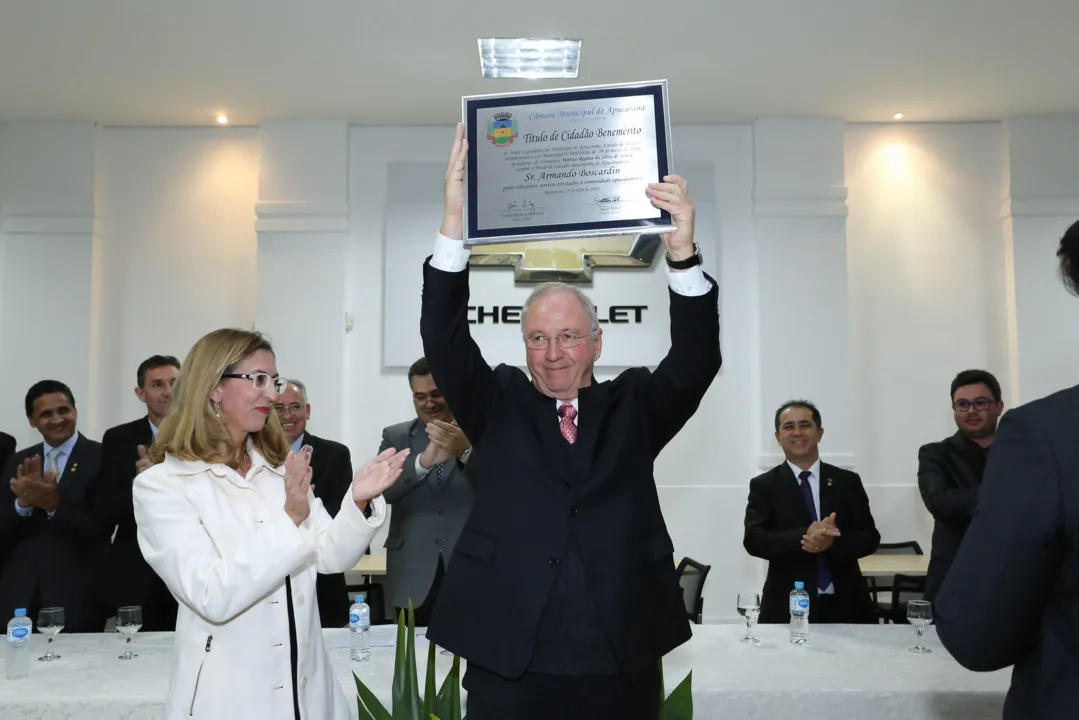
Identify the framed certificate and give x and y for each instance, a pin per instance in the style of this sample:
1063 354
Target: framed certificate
566 163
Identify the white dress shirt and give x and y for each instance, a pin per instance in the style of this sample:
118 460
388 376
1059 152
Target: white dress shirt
61 464
814 485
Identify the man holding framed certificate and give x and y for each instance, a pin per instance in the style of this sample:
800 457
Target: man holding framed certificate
562 593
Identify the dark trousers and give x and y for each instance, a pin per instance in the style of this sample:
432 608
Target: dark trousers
423 612
535 696
159 610
826 609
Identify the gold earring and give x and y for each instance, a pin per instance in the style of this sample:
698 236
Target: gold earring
217 408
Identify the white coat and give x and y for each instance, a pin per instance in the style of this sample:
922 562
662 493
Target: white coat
224 545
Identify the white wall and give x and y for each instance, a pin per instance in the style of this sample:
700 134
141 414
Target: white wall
179 249
927 299
881 249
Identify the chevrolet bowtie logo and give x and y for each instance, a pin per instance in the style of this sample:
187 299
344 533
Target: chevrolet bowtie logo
568 261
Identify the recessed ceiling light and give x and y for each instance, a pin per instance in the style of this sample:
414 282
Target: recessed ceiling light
897 116
529 58
223 119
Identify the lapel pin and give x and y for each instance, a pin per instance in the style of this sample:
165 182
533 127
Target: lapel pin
829 481
74 467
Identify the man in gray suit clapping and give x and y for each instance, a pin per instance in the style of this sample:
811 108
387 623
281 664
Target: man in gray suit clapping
430 501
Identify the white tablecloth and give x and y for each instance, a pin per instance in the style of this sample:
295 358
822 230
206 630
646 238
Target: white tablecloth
845 673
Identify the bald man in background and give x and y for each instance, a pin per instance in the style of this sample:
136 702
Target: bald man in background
331 477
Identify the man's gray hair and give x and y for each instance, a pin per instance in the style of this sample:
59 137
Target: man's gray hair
299 386
549 287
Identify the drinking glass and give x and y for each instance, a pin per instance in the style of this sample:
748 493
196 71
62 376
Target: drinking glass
128 622
920 614
749 607
50 621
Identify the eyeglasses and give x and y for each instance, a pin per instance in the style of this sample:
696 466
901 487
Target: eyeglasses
293 408
566 340
979 404
260 380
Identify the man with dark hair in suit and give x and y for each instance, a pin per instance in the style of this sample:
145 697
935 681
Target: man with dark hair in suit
811 522
54 549
562 593
1010 596
331 477
7 447
128 579
950 471
431 500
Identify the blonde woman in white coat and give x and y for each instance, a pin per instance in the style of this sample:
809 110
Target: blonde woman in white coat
227 518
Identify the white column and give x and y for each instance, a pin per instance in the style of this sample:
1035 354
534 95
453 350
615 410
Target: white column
800 216
302 231
49 234
1041 201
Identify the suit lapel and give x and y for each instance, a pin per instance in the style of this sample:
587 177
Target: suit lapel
963 454
73 474
791 490
545 425
827 491
593 401
144 435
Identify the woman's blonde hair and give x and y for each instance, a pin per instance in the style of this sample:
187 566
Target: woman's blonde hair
191 431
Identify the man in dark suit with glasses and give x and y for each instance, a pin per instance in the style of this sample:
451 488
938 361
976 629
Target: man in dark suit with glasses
950 471
1010 595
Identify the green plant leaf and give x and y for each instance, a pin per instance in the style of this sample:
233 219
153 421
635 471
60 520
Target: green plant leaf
679 704
662 689
430 698
370 707
406 692
449 696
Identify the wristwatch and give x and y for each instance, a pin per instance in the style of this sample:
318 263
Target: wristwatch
692 261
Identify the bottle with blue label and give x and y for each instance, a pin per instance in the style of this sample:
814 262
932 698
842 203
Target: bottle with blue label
18 645
359 625
799 614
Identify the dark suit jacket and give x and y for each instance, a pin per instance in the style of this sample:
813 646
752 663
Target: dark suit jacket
1011 596
58 557
949 487
536 495
776 520
331 474
427 515
127 579
7 447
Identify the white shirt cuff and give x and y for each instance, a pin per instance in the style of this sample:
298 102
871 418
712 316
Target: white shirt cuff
691 282
23 512
421 471
449 255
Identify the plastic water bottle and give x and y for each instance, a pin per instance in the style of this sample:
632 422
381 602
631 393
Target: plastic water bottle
18 645
359 623
799 614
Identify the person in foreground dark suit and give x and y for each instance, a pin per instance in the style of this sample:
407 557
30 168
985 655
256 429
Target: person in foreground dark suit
53 547
562 593
811 522
331 478
7 447
950 471
431 500
127 578
1011 596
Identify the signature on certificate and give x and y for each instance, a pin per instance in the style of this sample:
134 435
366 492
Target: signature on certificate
526 206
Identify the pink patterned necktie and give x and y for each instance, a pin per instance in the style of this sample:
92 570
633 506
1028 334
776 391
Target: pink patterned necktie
569 431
